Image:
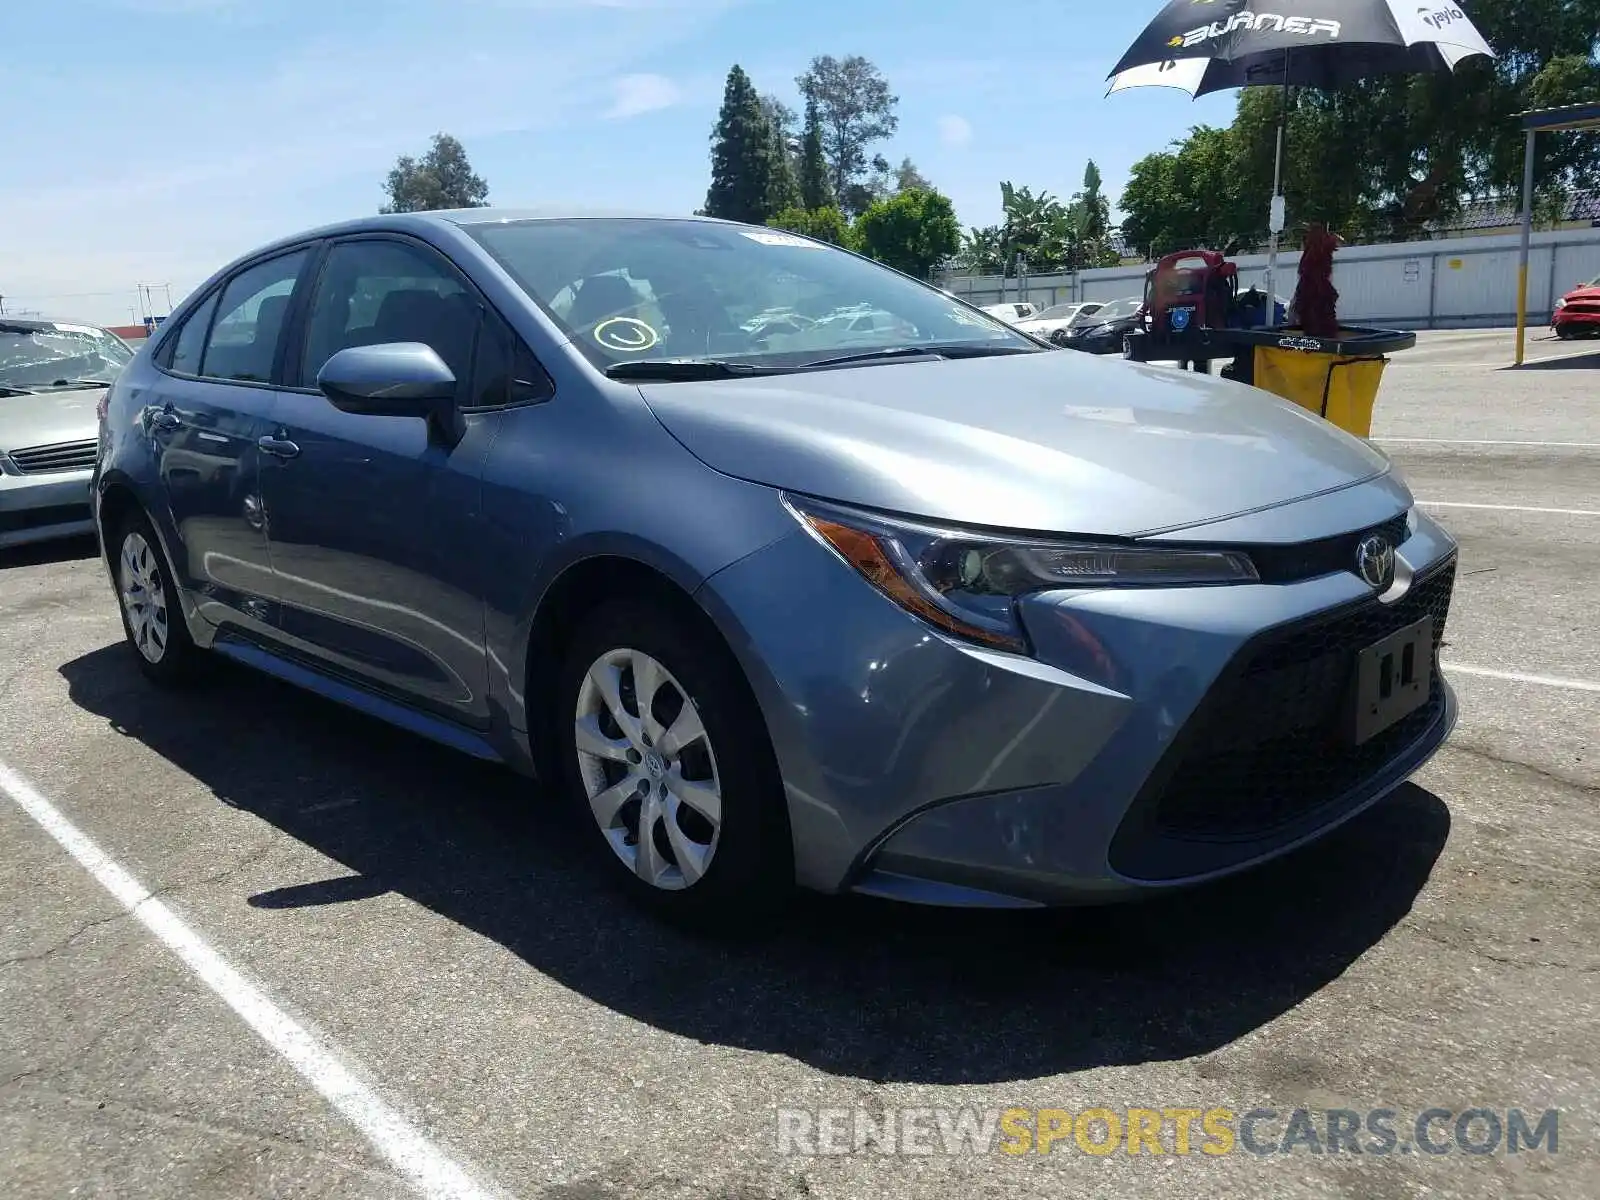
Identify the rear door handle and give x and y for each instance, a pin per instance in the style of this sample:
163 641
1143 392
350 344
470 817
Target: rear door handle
278 447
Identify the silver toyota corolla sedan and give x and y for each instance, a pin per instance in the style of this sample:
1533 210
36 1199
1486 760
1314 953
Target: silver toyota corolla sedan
52 376
921 608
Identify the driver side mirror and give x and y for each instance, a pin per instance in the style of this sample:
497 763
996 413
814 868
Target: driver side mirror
396 379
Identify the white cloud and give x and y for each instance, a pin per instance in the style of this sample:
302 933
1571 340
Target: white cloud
955 131
637 94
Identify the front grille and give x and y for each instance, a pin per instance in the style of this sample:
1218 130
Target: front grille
1589 308
1307 560
1269 745
63 456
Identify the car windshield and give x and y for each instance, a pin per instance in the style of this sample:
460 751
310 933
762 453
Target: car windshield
38 358
1595 282
1110 312
649 289
1057 312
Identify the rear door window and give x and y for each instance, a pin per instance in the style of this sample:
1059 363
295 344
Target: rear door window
186 349
243 344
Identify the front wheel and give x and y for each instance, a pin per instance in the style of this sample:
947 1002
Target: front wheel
666 752
148 596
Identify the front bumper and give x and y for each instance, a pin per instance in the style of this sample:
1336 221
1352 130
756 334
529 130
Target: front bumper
1108 765
1587 318
36 508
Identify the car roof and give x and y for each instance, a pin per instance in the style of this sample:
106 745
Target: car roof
461 218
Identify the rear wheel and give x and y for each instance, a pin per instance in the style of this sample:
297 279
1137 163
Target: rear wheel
666 753
151 618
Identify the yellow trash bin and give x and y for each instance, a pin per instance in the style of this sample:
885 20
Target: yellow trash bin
1341 390
1336 378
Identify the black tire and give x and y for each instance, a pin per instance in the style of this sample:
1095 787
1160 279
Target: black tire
179 662
751 871
1564 332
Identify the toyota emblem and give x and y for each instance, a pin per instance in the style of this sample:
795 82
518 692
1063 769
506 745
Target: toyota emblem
1375 562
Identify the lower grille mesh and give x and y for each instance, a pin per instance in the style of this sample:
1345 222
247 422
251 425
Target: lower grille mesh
1268 744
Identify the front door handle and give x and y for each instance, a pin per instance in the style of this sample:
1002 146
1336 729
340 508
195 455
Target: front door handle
278 447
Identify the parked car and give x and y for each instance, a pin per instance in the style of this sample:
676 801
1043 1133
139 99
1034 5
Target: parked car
1578 312
52 375
1103 331
942 615
1054 321
1013 312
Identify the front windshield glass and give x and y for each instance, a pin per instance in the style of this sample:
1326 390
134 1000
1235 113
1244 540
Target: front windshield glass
39 358
1058 312
636 289
1595 282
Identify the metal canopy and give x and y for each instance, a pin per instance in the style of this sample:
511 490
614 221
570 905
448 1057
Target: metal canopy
1567 117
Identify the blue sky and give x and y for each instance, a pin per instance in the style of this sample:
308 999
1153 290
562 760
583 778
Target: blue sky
153 140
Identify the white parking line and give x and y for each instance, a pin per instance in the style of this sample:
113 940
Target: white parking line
1421 441
1563 512
424 1165
1575 685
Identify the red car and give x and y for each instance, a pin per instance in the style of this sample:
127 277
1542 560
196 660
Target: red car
1578 312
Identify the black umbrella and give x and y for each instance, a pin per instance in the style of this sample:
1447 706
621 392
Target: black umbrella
1201 46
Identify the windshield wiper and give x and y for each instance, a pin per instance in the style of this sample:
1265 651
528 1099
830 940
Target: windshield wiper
7 389
931 350
673 369
66 384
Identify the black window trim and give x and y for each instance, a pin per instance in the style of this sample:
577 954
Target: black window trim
300 308
219 290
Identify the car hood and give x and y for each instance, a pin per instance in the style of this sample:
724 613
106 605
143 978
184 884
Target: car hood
1051 441
1582 293
46 418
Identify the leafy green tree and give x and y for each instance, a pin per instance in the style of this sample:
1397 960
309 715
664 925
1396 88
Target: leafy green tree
908 179
741 155
983 250
1038 227
442 178
912 231
1089 216
783 189
816 184
824 224
855 108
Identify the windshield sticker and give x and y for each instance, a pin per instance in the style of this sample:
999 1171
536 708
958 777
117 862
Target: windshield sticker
773 238
627 335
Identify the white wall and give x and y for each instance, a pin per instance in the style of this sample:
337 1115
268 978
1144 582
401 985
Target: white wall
1442 284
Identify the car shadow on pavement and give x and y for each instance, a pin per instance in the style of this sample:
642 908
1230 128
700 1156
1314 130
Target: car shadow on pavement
850 986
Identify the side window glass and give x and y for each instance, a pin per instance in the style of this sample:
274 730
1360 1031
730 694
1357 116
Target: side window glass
505 370
374 292
244 338
184 351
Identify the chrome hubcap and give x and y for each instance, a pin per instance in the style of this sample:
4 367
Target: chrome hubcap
143 599
648 769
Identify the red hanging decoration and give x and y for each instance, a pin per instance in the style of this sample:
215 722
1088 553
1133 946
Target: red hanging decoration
1315 297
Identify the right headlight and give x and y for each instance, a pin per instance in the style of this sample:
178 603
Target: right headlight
966 581
1561 303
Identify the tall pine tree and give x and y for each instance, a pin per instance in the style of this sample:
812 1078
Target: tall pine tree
783 192
741 155
816 189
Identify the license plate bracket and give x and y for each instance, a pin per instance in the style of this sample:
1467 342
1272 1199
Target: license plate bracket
1393 678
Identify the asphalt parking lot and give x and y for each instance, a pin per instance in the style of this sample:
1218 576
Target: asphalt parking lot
376 920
